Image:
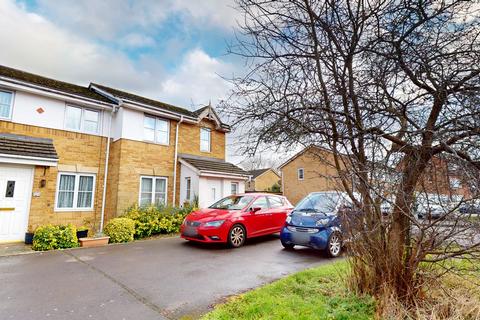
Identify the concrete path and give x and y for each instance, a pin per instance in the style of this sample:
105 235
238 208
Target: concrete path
155 279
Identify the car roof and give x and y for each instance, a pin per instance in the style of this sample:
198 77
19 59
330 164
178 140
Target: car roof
258 194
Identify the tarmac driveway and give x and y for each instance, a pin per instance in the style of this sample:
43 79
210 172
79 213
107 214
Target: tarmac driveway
154 279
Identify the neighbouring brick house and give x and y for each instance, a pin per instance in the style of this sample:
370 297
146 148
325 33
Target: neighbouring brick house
59 140
262 180
313 169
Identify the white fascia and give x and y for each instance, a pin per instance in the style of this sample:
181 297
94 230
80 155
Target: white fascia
35 161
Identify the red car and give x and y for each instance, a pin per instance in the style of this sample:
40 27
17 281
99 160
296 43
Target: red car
235 218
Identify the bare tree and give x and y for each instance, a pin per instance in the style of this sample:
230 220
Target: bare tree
387 86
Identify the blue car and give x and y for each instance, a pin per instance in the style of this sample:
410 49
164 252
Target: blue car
316 223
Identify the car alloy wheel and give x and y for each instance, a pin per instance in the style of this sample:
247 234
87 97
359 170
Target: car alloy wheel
334 245
237 236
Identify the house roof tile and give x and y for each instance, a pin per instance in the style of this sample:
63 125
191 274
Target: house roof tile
27 146
48 83
213 165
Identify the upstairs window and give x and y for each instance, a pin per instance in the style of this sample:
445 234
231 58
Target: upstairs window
81 119
156 130
205 139
300 173
6 99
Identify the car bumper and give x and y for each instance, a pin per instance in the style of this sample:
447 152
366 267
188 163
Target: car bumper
204 234
318 240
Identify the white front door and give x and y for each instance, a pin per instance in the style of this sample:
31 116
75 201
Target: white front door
15 194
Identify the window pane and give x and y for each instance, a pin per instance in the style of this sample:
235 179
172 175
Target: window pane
66 189
149 134
275 202
73 118
204 139
160 185
5 104
84 199
189 187
159 198
147 190
234 188
162 125
260 203
162 137
149 123
85 183
90 123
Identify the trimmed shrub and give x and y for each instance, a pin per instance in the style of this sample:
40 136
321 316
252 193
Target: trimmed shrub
151 220
50 237
120 230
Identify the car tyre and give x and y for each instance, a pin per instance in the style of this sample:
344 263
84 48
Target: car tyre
237 236
287 246
334 245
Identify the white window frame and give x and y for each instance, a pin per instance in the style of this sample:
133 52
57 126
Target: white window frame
302 174
152 200
209 139
236 184
10 114
188 188
75 191
82 119
155 130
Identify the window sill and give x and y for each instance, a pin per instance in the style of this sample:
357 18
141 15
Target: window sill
73 210
157 143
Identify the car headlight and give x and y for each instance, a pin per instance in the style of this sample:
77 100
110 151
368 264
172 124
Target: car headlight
289 218
216 223
322 222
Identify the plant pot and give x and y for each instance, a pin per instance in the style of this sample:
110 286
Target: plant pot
82 234
29 237
93 242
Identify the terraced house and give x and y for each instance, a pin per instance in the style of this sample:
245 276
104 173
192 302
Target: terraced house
58 142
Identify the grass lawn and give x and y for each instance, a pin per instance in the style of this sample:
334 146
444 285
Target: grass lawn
317 293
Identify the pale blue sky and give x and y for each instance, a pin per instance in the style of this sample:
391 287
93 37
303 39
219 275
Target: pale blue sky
170 50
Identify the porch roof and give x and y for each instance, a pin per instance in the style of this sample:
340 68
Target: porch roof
24 149
204 164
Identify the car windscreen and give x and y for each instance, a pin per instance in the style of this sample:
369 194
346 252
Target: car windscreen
232 203
319 202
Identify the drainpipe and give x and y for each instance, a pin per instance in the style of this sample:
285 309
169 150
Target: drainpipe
107 156
175 162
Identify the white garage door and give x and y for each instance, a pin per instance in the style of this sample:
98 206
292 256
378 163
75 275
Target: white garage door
15 194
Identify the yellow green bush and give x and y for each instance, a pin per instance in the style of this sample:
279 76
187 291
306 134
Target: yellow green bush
120 230
151 220
50 237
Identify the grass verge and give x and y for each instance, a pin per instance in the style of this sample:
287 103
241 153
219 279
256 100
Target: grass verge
318 293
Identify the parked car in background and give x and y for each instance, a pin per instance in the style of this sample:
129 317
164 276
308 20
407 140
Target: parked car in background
316 222
236 218
434 206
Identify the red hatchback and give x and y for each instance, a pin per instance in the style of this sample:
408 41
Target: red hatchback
235 218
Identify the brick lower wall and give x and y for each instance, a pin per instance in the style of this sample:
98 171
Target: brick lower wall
76 151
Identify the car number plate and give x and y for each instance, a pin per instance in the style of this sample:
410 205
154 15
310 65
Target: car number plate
190 231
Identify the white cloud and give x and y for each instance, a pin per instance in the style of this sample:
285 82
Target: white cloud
137 40
39 46
110 19
198 79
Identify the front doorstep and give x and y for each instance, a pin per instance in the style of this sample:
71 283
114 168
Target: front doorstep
93 242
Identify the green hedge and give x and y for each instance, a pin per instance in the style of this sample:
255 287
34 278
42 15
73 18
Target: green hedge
120 230
51 237
151 220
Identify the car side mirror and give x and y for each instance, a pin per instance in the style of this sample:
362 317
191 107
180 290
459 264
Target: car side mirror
255 209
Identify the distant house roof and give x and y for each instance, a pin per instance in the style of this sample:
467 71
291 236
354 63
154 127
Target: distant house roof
26 146
259 172
212 165
47 83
